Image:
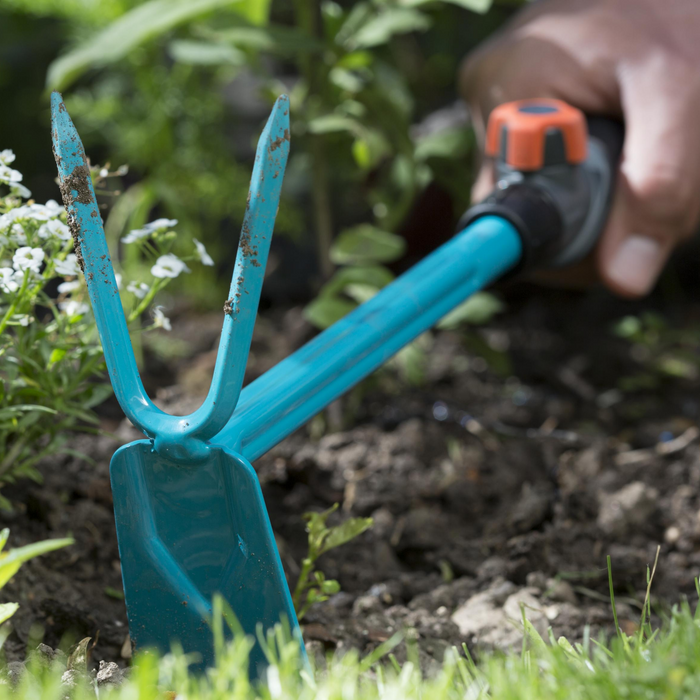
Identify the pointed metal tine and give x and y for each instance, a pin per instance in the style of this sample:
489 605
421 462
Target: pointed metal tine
241 305
93 257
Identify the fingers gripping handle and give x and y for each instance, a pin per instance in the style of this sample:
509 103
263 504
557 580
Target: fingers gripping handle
180 438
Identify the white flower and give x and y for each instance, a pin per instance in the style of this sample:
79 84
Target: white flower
68 287
202 254
20 190
56 228
73 308
148 229
9 176
26 258
32 212
138 290
68 267
52 208
160 320
24 320
10 280
168 266
17 234
7 156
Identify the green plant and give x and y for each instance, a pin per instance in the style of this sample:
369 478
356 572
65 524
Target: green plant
312 586
50 355
361 252
163 65
662 666
10 563
660 351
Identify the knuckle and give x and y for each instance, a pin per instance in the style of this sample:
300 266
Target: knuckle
667 197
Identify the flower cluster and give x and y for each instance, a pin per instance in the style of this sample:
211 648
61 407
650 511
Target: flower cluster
36 247
154 240
50 352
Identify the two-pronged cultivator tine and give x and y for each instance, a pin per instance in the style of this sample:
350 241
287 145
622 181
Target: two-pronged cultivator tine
180 438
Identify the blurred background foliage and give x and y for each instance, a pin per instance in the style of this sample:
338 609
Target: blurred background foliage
178 90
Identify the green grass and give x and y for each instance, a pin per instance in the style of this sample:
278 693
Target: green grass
664 664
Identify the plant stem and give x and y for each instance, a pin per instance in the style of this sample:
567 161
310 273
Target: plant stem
308 20
322 207
143 304
306 567
11 455
13 306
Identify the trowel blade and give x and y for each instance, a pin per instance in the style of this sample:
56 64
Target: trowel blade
186 533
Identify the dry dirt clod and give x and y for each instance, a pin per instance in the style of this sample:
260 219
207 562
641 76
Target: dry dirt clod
628 508
109 675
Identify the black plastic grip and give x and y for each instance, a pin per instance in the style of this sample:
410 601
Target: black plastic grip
560 210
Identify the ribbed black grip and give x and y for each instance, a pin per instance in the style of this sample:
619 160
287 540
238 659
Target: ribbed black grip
533 213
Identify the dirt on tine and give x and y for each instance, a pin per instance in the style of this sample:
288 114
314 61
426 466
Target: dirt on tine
77 181
279 141
228 306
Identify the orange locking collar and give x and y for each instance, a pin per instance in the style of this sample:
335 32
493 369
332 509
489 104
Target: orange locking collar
527 124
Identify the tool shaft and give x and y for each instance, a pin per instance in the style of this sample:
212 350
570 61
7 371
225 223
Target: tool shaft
292 392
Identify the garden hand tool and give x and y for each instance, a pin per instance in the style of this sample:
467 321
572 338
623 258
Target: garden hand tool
191 519
190 516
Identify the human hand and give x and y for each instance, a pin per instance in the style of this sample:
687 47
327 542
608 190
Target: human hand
633 59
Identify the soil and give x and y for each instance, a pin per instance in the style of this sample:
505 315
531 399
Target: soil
505 478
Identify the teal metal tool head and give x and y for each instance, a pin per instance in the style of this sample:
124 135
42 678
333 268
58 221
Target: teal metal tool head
191 519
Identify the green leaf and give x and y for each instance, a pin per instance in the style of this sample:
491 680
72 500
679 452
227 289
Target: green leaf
114 593
480 6
372 275
119 39
7 610
381 28
98 393
361 292
203 53
57 354
478 309
326 310
346 80
366 244
329 123
20 409
628 327
12 560
340 534
370 149
411 362
676 366
77 661
330 587
449 143
316 526
275 39
256 11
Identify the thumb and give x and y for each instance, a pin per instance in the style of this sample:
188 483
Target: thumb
655 203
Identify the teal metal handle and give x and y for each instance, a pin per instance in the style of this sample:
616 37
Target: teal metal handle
296 389
182 439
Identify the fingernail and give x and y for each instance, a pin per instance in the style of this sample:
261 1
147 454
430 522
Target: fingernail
636 264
